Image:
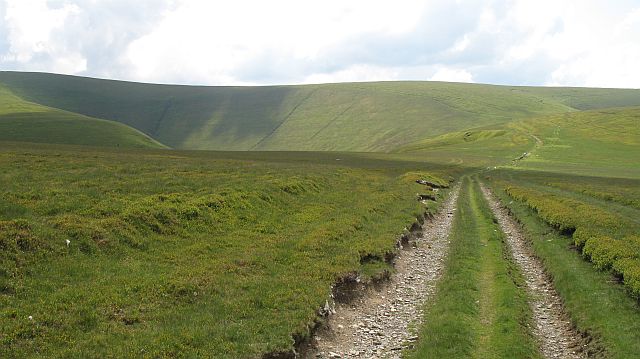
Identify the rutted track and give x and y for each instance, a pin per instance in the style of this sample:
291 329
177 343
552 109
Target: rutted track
378 325
556 335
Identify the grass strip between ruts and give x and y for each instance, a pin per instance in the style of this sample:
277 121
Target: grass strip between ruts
480 309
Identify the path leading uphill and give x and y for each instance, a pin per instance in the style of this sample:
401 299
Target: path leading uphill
554 331
377 326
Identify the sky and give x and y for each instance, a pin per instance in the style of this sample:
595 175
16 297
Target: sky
252 42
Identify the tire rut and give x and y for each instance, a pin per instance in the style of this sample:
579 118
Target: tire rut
379 325
556 335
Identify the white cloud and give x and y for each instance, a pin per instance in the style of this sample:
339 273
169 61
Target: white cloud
461 44
601 69
30 25
587 43
214 45
452 75
355 73
553 42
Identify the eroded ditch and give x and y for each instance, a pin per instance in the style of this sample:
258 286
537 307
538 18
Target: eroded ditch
378 322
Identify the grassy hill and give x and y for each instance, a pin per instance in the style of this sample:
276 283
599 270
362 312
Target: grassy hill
481 147
198 253
29 122
339 117
602 142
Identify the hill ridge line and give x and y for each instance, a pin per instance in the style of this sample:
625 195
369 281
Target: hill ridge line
392 114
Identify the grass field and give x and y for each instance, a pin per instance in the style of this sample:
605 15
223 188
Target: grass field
475 148
602 143
183 254
573 180
576 193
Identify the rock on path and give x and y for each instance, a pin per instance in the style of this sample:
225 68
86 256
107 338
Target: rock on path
378 325
556 335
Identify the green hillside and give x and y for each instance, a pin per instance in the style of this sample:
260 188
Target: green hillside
598 142
480 147
129 251
339 117
588 98
29 122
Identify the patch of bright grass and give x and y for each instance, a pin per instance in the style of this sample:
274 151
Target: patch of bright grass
604 143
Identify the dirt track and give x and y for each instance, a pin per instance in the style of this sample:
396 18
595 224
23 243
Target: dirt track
557 337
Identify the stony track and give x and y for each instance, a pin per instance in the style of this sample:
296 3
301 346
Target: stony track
378 325
556 335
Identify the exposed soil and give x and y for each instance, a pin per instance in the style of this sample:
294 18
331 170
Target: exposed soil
557 337
378 324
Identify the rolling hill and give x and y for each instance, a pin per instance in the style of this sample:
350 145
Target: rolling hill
601 142
125 252
24 121
378 117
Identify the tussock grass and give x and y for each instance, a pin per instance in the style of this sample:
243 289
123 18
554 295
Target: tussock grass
185 254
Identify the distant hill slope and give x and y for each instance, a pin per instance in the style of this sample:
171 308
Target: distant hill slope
604 142
24 121
380 116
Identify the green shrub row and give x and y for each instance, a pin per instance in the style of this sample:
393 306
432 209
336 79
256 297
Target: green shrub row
598 233
621 194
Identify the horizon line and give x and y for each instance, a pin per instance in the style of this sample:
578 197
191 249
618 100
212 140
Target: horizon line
313 83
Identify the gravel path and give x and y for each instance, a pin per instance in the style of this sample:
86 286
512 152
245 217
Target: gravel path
556 335
378 325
